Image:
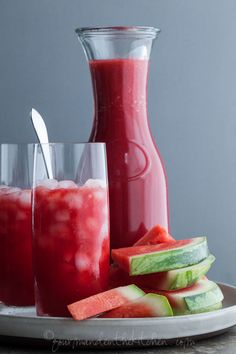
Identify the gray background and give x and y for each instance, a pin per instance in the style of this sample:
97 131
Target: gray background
192 96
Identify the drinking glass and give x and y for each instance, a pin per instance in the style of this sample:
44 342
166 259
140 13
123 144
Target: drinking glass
70 226
16 276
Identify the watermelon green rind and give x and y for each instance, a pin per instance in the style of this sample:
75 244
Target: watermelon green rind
184 277
209 298
132 292
160 304
214 307
193 252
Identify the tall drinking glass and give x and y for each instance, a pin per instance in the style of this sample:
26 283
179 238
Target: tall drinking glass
70 226
16 276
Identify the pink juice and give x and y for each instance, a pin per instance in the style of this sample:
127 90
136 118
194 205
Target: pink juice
71 244
137 180
16 276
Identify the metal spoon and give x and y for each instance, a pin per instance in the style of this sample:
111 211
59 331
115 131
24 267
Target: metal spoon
42 135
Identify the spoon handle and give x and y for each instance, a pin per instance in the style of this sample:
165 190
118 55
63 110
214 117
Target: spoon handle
41 132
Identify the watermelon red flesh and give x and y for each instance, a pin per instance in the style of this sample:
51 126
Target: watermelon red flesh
155 236
150 305
137 310
105 301
118 277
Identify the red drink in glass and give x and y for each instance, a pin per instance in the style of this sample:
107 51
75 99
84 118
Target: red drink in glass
71 244
16 276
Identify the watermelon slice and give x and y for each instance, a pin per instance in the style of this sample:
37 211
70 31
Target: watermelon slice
159 258
105 301
203 296
150 305
170 280
155 236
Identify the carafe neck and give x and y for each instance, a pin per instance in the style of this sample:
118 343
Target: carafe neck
120 84
119 59
117 42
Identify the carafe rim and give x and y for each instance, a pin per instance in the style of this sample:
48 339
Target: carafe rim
118 31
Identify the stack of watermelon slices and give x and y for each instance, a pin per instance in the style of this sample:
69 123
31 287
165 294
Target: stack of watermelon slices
157 277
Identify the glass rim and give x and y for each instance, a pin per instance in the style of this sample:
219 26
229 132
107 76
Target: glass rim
143 31
17 144
53 143
72 143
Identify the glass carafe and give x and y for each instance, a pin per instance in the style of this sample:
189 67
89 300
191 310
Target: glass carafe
118 58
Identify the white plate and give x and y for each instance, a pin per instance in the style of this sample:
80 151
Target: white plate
24 324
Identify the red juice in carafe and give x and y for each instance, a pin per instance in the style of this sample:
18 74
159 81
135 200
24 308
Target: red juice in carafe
137 179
